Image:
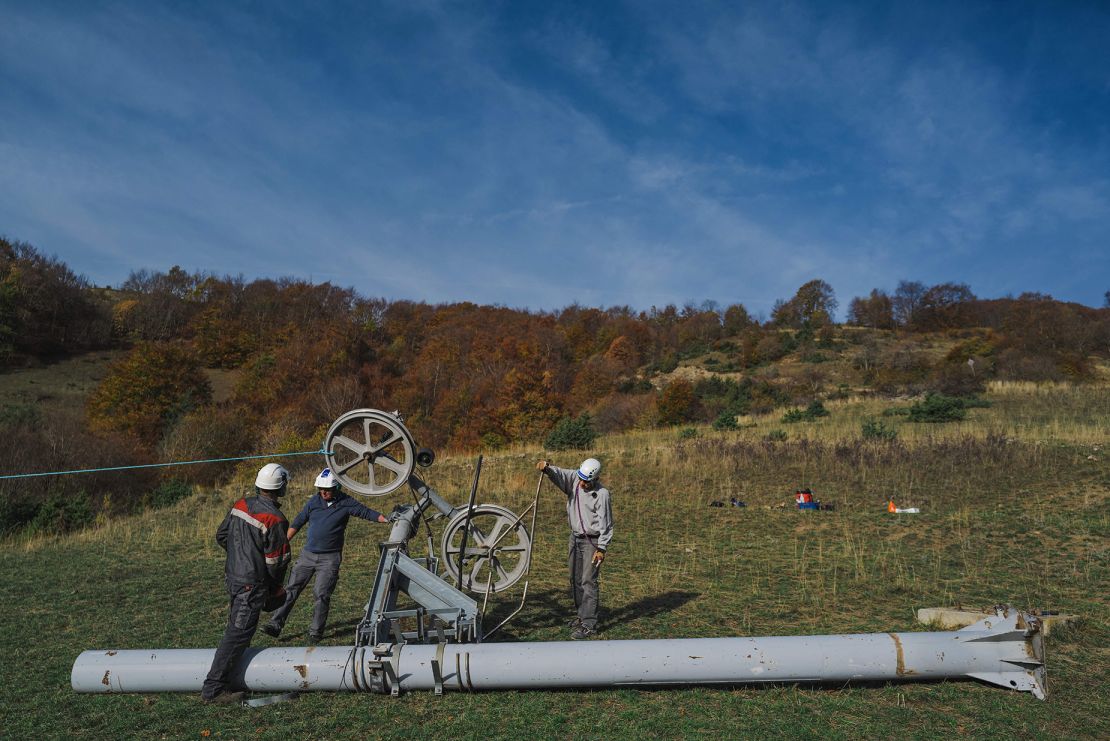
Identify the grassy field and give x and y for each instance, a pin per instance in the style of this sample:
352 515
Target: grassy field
1015 510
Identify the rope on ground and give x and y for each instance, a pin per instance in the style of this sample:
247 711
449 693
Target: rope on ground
159 465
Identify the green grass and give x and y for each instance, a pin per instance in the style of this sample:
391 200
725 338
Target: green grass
60 385
1019 518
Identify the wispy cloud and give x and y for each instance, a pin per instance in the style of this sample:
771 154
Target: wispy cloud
440 152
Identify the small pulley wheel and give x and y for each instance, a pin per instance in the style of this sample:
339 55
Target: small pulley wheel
370 452
497 550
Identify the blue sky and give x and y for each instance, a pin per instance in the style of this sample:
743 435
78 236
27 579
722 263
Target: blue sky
540 154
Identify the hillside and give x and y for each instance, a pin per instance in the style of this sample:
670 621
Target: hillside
1014 498
204 367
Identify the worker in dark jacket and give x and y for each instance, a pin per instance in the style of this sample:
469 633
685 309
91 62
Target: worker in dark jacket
254 536
327 514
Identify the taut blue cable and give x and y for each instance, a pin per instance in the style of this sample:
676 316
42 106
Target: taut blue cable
158 465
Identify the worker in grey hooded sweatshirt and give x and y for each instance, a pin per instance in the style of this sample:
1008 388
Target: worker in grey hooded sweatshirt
590 514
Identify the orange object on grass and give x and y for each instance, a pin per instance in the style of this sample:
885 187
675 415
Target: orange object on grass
890 507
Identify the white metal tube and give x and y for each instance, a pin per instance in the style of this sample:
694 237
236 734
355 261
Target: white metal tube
1004 650
184 669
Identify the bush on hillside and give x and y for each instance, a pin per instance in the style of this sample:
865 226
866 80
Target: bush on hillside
62 513
938 408
726 420
875 430
572 434
168 492
678 403
153 386
815 410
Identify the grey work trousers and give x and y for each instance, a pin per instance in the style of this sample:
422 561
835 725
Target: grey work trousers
325 566
584 579
245 607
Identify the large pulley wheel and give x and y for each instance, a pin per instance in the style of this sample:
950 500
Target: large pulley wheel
497 550
370 452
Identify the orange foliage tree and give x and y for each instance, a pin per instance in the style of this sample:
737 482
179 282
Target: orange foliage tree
153 385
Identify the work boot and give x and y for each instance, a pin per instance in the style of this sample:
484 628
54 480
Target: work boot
582 633
226 698
271 630
314 638
574 623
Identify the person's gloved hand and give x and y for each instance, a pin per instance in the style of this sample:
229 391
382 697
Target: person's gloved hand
541 465
275 599
599 556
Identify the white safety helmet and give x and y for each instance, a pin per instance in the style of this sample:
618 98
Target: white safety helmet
589 469
326 481
272 477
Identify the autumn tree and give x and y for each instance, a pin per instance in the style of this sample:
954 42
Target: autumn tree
907 301
46 309
697 327
875 311
737 319
623 355
945 306
811 307
156 383
677 404
156 305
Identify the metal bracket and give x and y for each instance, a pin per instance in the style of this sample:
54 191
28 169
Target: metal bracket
394 672
437 669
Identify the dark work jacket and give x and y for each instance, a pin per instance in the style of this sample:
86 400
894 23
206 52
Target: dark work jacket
327 524
254 536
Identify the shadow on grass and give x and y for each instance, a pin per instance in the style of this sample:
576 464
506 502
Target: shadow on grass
553 608
542 612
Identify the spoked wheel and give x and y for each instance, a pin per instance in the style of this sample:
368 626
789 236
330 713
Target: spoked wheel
497 550
369 451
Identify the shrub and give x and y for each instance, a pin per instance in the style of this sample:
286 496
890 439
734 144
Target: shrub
623 411
938 408
875 430
776 436
687 433
153 386
677 404
813 411
958 379
572 434
667 363
794 415
16 511
62 513
493 441
634 386
726 420
169 492
816 409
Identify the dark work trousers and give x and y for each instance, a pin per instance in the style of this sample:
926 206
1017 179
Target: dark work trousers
246 605
325 566
584 579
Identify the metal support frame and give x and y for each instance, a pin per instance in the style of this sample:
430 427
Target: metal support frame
400 573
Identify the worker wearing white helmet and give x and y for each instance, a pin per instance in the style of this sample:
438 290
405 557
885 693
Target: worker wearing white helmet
326 513
590 514
254 534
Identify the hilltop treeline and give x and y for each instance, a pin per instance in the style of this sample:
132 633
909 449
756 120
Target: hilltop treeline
294 355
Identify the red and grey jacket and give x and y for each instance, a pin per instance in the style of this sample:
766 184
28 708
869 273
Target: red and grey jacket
254 536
